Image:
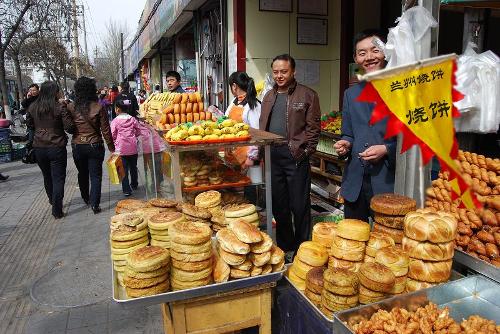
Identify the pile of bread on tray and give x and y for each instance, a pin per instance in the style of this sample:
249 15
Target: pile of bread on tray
479 228
162 245
347 264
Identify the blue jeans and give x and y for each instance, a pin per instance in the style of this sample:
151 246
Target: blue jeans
88 160
129 165
52 161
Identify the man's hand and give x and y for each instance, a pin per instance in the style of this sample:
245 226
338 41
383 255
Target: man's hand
374 153
342 147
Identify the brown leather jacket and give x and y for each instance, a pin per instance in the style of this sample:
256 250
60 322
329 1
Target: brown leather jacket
303 118
86 133
48 130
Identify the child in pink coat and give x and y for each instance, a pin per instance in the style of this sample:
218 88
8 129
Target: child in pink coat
125 130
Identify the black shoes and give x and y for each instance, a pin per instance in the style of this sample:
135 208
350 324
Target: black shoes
127 194
96 209
86 201
58 215
3 177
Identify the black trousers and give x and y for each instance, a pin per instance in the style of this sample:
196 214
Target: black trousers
88 160
360 209
130 167
53 161
291 188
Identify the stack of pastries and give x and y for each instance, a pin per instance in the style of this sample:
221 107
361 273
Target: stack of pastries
129 205
397 262
348 246
210 200
191 251
376 282
196 214
163 204
377 242
128 232
390 211
311 254
429 242
146 272
314 285
159 225
340 290
245 212
323 233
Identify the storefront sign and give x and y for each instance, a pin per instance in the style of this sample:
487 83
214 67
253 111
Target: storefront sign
418 101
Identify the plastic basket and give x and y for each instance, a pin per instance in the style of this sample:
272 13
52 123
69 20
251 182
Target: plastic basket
4 134
5 147
325 145
5 157
18 153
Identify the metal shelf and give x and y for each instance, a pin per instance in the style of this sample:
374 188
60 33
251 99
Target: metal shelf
477 265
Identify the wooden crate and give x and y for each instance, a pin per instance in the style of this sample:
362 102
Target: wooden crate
221 313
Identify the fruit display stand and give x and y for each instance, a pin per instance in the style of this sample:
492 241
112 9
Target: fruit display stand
257 138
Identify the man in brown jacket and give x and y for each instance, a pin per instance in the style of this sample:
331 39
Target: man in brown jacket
291 110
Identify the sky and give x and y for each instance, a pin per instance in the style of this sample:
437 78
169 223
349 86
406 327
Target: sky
98 12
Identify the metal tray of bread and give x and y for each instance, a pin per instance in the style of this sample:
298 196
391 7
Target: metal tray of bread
477 265
464 297
454 276
120 296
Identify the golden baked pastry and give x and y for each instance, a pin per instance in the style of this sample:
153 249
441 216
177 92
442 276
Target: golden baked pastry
367 296
130 219
221 270
328 313
239 210
279 266
245 266
249 219
323 233
378 241
427 271
312 253
396 222
190 276
333 306
353 266
236 273
119 210
315 298
155 273
181 285
120 257
208 199
162 203
163 221
192 266
139 283
148 258
340 281
353 229
332 298
163 244
255 271
158 232
193 257
392 204
396 235
158 237
190 233
219 219
393 259
424 225
231 258
230 243
119 270
259 259
131 204
276 255
414 285
346 249
399 285
314 279
121 251
262 246
427 250
245 232
127 233
368 258
300 268
299 283
190 249
195 211
266 269
145 213
150 291
377 277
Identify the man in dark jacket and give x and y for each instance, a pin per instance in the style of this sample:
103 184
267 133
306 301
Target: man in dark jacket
291 110
31 97
174 82
126 94
371 165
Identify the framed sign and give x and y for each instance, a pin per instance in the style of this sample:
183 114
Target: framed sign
276 5
312 31
313 7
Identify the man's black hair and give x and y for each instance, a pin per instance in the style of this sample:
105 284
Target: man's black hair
365 34
34 85
125 86
285 57
174 74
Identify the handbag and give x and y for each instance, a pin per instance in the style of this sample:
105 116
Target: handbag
29 157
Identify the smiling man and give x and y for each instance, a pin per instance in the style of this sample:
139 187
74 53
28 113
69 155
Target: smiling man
371 159
291 110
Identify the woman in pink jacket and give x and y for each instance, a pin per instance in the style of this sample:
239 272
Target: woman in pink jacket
125 130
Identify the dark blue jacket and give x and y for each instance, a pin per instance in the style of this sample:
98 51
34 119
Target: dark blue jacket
179 89
361 135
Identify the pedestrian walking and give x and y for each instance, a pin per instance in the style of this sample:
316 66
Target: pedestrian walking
125 131
126 94
48 118
92 125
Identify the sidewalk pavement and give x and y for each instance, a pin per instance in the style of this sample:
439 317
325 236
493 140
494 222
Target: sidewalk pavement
55 275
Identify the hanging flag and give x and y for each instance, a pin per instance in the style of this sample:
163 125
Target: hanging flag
418 100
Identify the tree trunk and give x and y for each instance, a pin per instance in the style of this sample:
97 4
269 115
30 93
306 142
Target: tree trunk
3 87
19 79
